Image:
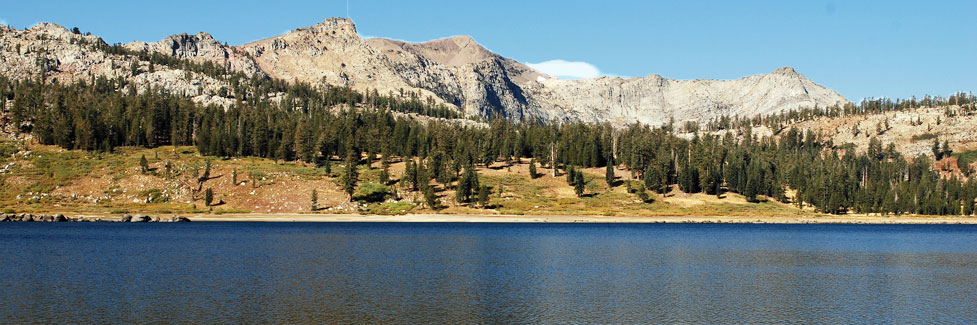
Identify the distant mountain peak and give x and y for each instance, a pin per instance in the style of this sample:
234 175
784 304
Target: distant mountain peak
336 25
788 71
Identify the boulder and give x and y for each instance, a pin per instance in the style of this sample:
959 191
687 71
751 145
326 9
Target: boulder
179 219
126 218
60 218
154 219
3 218
139 218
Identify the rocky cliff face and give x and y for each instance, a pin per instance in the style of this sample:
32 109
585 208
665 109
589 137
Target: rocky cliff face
454 71
200 48
465 74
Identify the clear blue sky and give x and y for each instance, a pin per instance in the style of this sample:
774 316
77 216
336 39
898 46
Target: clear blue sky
859 48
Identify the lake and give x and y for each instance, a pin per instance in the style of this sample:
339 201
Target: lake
486 273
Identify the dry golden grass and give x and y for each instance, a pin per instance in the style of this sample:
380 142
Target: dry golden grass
56 180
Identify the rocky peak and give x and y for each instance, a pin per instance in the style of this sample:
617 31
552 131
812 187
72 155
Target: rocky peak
49 28
340 27
52 30
454 51
786 71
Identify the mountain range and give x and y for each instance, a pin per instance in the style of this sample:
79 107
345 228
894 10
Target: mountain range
456 72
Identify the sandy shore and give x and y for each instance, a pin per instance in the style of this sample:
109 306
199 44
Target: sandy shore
848 219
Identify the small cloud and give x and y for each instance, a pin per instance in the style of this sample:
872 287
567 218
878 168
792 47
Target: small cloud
566 69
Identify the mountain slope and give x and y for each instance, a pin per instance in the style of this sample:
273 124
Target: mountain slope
456 72
654 100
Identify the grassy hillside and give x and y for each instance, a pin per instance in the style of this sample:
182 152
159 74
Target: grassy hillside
38 178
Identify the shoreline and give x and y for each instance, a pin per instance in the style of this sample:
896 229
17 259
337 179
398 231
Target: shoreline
466 218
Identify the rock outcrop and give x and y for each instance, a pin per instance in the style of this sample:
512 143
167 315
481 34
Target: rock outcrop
62 56
27 217
200 48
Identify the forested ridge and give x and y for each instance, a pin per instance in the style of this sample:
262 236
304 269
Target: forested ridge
321 125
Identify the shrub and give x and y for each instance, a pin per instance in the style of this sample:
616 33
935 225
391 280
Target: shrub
924 136
373 192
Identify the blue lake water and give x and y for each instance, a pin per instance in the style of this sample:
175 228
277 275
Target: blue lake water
486 273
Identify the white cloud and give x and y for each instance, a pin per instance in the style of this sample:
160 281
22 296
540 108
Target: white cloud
566 69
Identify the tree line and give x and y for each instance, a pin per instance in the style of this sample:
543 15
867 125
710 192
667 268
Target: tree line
320 125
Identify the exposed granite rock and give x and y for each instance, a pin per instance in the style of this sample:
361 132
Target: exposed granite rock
200 48
455 71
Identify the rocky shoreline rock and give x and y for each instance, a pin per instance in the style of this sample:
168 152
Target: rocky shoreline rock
27 217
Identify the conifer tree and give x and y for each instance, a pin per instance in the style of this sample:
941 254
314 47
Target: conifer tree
315 200
750 191
570 175
579 183
384 170
655 179
483 196
350 175
532 168
206 174
423 175
431 199
144 164
208 196
410 175
609 173
467 185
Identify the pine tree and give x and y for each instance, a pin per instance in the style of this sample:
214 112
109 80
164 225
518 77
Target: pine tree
655 179
350 175
423 175
483 196
713 181
384 170
946 149
467 185
570 175
750 190
431 199
206 174
315 200
410 175
532 169
579 183
208 196
609 174
937 153
144 164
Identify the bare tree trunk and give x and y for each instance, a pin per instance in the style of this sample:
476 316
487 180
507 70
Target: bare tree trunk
553 157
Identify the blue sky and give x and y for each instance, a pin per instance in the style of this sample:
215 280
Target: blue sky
859 48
